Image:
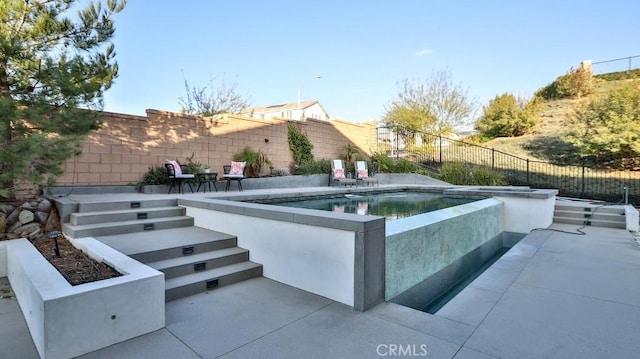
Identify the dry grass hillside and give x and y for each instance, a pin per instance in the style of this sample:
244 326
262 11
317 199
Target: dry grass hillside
548 142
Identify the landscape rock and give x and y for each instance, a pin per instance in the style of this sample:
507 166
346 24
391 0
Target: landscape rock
3 223
53 222
41 217
12 218
26 205
6 208
26 216
13 227
30 230
44 205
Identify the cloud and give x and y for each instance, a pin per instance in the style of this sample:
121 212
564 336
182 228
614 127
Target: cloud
423 53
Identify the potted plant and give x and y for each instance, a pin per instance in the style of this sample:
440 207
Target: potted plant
207 168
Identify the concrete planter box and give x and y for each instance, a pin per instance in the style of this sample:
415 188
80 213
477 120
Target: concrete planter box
66 321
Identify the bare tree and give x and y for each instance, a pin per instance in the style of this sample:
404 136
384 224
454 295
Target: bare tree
210 100
434 105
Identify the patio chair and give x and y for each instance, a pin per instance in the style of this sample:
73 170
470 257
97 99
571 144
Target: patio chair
234 172
338 176
362 173
178 175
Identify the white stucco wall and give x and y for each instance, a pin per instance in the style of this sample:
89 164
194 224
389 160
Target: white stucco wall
521 215
316 259
630 214
3 258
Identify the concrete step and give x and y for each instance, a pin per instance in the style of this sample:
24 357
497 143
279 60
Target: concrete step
125 215
125 205
612 209
125 227
210 279
153 246
188 264
590 215
590 222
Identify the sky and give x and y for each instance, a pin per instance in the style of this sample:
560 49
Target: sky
271 49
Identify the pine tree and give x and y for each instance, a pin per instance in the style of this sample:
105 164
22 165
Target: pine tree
54 69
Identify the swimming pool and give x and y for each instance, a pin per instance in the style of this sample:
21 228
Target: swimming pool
391 205
362 260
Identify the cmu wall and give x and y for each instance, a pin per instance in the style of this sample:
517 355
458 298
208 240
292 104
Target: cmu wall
124 148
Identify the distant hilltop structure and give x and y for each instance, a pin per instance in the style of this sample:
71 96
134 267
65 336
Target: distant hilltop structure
587 65
295 111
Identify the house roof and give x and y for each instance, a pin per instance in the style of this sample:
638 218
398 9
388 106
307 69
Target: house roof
281 107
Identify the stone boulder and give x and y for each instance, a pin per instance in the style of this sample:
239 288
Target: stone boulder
53 222
44 205
6 208
12 218
31 230
41 217
26 216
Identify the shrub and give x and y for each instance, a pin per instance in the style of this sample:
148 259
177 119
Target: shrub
507 116
576 83
193 166
322 166
609 125
472 175
404 166
254 159
387 164
620 75
155 175
279 172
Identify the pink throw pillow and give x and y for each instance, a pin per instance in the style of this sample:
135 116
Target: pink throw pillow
176 168
237 168
338 173
363 173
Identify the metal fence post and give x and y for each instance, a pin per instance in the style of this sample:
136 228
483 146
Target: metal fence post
528 181
397 144
493 158
440 146
582 184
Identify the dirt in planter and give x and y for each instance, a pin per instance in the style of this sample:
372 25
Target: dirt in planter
74 265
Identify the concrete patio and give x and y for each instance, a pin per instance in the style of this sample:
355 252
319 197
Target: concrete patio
553 295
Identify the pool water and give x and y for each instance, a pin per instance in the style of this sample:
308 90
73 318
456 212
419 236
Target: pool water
389 205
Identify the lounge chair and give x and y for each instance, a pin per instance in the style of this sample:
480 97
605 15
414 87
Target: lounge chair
234 172
338 175
178 175
362 173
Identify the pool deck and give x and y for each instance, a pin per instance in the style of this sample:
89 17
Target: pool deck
553 295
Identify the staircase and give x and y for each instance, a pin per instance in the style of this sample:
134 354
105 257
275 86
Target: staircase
588 214
159 234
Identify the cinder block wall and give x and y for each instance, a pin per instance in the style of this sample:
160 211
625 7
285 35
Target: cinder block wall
124 148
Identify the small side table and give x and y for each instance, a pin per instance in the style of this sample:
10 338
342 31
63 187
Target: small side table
207 179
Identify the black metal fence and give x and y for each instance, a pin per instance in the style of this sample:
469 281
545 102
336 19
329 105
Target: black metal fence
588 177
